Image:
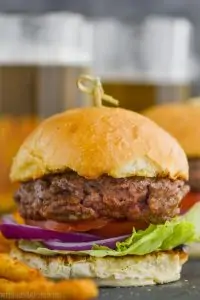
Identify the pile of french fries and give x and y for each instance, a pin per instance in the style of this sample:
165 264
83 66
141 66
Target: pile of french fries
18 281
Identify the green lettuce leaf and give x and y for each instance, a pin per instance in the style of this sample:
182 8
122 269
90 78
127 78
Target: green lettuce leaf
182 230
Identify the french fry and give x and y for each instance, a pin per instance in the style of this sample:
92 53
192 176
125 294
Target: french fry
65 290
12 269
76 289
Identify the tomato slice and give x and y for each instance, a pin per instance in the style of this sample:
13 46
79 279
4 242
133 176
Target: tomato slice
189 201
101 227
79 226
115 228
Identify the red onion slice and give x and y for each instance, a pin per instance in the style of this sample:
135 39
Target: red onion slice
11 230
111 243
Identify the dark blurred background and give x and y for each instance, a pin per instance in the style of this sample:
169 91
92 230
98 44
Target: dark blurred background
115 8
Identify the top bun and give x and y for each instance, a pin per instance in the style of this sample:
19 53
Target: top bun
182 121
95 141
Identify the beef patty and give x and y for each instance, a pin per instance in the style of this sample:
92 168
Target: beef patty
194 178
70 197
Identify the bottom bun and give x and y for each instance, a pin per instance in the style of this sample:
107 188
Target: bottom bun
154 268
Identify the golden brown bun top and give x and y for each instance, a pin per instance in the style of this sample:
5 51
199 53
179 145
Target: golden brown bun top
95 141
182 121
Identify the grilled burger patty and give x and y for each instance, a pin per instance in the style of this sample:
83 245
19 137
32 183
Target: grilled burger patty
70 197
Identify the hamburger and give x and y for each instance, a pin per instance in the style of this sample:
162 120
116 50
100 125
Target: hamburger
99 196
182 121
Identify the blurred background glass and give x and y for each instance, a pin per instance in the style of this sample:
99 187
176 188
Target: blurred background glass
146 63
41 57
146 52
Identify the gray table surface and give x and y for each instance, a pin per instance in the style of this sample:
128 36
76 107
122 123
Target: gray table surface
187 288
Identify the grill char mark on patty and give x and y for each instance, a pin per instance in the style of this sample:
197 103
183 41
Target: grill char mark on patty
70 197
